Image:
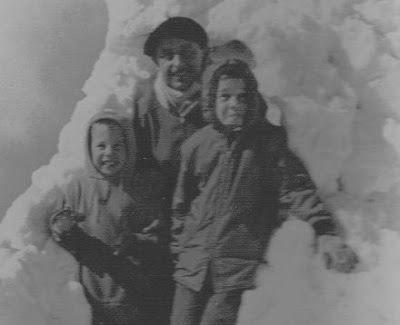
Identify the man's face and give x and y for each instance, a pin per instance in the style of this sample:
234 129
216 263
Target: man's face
181 62
231 102
108 149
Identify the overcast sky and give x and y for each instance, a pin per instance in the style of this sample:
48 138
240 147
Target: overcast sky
47 51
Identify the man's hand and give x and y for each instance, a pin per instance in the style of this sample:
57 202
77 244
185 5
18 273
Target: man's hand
128 240
153 227
63 223
337 254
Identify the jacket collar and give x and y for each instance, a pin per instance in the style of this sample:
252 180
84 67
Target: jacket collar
147 95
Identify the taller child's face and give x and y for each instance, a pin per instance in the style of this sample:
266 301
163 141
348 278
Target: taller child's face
231 102
181 61
108 149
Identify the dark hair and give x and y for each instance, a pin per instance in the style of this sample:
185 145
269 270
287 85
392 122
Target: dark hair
176 27
233 69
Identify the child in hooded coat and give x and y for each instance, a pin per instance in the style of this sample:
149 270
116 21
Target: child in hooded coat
111 220
238 181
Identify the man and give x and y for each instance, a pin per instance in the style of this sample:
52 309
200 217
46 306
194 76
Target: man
168 105
167 112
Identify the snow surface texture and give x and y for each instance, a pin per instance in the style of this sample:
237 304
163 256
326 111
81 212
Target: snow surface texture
330 70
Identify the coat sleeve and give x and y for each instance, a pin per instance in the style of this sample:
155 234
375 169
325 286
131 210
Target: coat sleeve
185 192
298 196
64 221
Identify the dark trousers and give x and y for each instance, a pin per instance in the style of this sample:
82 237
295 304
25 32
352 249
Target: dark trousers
115 315
205 307
157 301
154 307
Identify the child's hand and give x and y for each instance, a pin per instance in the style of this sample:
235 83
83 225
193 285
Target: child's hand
337 255
304 204
63 223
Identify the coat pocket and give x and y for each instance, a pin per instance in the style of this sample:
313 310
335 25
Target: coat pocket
241 242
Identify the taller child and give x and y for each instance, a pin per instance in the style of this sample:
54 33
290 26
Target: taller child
237 182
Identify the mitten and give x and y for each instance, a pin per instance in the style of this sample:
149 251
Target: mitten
64 223
337 254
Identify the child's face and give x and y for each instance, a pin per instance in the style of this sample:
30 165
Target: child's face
108 149
231 102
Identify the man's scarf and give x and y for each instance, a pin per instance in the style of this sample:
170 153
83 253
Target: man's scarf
171 99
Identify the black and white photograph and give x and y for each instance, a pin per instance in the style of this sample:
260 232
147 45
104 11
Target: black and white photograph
214 162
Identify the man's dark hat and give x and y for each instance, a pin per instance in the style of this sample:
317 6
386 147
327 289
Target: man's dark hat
176 27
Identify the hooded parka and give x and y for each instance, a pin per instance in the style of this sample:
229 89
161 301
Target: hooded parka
114 261
234 188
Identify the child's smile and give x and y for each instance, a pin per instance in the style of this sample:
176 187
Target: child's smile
108 149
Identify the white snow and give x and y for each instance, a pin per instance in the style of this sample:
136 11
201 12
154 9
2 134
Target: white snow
334 69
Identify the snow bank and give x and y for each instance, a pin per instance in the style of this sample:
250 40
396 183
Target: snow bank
296 289
333 68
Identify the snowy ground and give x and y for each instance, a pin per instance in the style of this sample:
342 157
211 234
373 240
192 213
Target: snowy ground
333 69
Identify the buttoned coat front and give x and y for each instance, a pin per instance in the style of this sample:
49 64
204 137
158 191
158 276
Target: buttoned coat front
233 190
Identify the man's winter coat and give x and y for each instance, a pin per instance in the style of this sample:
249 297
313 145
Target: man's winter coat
164 130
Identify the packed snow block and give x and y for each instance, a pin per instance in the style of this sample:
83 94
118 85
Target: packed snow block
296 289
321 136
26 222
39 287
287 281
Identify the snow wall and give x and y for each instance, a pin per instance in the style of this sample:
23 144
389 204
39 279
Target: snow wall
330 71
